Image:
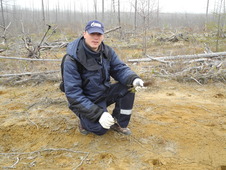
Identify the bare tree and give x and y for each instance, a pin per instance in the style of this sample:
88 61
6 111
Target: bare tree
56 12
135 15
47 11
119 18
148 12
3 26
145 9
33 50
43 14
95 8
103 10
158 13
219 26
119 13
207 11
113 5
4 33
3 17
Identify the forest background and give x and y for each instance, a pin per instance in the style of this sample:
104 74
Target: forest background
179 119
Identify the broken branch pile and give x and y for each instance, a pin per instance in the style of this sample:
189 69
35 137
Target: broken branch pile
201 68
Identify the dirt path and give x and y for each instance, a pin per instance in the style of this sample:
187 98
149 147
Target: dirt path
175 126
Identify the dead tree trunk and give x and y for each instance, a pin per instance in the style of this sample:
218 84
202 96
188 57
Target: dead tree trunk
4 33
219 24
111 30
145 35
185 57
207 11
3 17
102 10
113 5
119 18
95 8
33 51
135 15
158 14
43 14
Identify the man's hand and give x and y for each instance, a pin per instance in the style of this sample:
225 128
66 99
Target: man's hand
106 120
138 82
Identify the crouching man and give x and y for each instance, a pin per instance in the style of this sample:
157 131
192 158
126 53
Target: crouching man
87 83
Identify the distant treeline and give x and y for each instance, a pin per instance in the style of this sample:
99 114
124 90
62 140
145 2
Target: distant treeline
34 20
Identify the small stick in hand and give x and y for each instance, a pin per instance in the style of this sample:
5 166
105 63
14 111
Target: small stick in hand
148 83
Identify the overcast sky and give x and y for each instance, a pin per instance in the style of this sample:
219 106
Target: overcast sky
180 6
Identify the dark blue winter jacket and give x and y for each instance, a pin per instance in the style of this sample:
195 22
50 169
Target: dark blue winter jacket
89 79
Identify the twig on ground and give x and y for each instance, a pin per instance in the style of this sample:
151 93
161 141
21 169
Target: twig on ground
46 150
13 166
25 111
196 81
31 120
205 109
81 161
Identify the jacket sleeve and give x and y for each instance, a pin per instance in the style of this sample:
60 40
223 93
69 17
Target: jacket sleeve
120 71
78 102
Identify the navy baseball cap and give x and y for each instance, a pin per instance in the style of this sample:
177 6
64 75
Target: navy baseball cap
94 26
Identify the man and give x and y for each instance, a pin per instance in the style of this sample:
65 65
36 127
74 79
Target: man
87 84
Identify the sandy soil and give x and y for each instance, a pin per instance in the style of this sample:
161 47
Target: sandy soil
175 126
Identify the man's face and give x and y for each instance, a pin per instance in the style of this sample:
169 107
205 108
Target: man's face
93 40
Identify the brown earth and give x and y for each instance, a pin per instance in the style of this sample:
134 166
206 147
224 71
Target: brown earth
175 126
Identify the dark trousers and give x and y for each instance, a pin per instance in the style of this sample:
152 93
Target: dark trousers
123 99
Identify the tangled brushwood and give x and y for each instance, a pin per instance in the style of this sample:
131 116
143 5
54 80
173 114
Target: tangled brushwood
202 68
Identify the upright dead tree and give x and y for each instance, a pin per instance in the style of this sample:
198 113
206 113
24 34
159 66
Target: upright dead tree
158 10
43 13
33 50
103 10
3 36
119 14
3 26
113 5
145 10
119 18
3 17
95 8
207 11
135 15
219 24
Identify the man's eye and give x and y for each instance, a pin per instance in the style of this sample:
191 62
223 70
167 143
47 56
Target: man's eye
96 34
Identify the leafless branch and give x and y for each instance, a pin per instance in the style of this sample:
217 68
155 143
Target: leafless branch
4 33
29 73
196 81
29 59
209 55
111 30
45 150
34 51
13 166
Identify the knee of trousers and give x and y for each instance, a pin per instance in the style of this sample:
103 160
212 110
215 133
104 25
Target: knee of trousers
100 132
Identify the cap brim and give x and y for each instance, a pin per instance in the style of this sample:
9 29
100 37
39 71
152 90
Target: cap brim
95 30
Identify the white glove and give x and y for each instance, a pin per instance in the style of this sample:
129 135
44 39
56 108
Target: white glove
106 120
138 82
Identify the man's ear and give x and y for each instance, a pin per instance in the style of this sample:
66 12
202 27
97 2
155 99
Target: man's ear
84 34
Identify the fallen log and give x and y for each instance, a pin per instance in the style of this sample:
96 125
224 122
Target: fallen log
111 30
210 55
29 73
28 59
